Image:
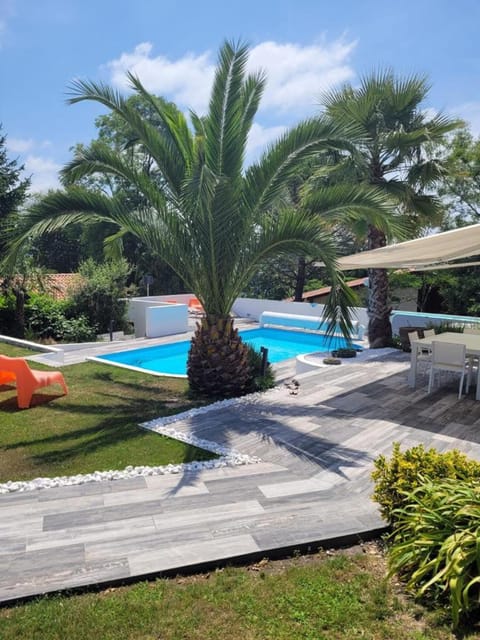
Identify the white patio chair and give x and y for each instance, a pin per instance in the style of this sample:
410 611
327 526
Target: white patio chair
449 356
473 360
428 333
423 352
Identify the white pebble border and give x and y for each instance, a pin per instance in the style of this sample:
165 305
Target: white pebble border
228 457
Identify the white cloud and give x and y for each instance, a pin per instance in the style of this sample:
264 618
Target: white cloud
43 172
186 80
19 145
296 74
470 112
259 138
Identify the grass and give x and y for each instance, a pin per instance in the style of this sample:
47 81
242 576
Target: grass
94 427
341 596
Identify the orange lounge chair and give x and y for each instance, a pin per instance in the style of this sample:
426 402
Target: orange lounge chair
7 376
28 380
195 305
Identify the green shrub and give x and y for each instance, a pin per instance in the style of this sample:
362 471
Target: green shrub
258 381
436 544
45 319
99 297
450 326
7 313
397 477
78 330
396 343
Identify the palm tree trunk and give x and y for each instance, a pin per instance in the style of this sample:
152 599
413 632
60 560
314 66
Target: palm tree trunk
300 279
379 326
218 364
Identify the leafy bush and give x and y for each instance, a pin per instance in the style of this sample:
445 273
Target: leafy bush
7 314
451 327
98 298
77 330
45 319
259 382
397 477
396 342
436 544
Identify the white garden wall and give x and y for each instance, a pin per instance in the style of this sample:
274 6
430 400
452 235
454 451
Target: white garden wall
253 308
153 317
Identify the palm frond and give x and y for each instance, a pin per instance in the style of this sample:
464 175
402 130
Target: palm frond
252 92
286 232
169 161
179 136
426 174
223 125
347 204
338 309
266 178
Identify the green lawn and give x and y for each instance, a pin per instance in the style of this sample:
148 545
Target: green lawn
320 597
94 427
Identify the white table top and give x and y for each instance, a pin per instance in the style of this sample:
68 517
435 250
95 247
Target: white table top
470 340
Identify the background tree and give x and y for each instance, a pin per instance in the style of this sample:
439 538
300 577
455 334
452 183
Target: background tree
100 239
13 192
312 191
460 184
276 278
391 156
198 210
100 294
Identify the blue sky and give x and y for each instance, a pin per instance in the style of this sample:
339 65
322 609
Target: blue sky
305 46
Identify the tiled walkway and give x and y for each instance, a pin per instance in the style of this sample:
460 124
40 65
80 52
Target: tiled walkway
313 485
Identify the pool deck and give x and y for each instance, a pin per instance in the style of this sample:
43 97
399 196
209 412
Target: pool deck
317 442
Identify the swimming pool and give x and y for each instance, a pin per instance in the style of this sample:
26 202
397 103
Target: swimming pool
171 359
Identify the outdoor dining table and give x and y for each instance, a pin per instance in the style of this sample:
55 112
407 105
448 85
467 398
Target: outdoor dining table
472 347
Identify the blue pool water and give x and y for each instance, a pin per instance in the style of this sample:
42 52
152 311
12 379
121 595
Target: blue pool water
171 359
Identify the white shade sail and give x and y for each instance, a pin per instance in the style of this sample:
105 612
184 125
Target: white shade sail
432 251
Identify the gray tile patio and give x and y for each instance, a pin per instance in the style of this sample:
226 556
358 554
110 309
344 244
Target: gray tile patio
312 486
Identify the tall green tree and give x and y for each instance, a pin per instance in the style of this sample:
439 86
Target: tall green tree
392 156
210 220
101 239
460 185
13 191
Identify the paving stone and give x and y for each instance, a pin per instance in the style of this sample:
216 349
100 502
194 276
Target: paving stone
317 450
119 512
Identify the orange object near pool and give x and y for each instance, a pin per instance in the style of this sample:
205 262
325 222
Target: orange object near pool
28 380
7 376
194 304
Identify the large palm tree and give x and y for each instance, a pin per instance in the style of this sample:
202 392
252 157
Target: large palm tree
210 220
391 155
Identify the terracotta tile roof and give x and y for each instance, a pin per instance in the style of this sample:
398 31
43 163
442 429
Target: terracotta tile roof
359 282
57 285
